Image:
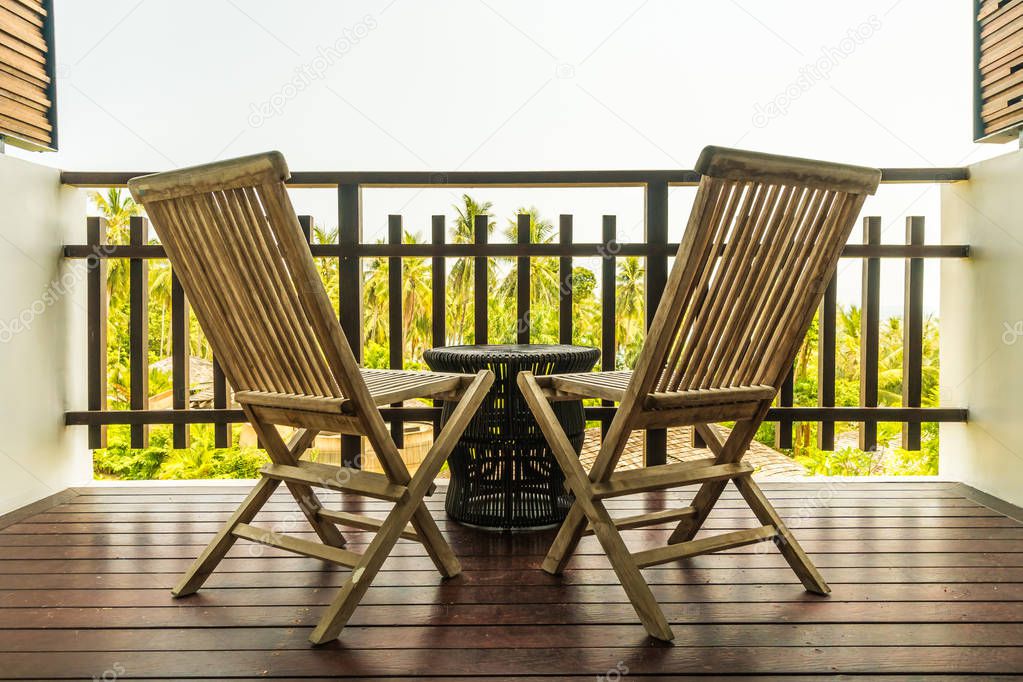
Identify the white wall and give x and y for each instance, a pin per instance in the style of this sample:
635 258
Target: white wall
982 328
41 362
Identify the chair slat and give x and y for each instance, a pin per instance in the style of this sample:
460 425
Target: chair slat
761 244
236 245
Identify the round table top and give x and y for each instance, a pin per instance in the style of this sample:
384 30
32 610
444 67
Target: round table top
511 350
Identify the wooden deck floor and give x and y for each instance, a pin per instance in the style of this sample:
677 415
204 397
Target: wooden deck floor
925 579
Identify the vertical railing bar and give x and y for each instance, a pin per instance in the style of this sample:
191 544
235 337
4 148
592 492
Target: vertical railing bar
565 279
395 331
786 396
138 333
439 283
480 282
827 349
522 277
306 223
180 359
221 432
608 303
350 295
913 333
96 306
870 321
656 280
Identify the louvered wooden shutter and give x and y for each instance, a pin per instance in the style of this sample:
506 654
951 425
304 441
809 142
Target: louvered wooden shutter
28 114
999 74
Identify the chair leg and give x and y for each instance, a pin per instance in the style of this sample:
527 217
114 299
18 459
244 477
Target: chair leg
206 562
340 610
703 503
593 510
786 541
567 540
433 542
411 508
709 492
288 453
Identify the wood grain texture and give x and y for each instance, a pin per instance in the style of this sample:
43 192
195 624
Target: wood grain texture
896 612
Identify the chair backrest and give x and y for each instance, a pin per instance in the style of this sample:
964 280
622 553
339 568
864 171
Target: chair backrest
234 241
762 242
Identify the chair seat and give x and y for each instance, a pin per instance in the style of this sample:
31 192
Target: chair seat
612 385
395 385
385 386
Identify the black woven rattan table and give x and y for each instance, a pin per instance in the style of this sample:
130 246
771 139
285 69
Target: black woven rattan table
503 474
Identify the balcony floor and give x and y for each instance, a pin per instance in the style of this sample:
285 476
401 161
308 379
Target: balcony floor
925 580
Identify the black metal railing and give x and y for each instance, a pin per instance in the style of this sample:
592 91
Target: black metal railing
350 250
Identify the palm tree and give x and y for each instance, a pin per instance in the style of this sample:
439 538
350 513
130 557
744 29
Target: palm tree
118 208
460 280
160 298
630 293
544 284
374 296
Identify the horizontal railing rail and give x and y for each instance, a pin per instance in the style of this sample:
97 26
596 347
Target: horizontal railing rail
350 250
591 178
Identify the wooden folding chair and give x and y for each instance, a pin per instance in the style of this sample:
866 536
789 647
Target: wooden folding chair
762 243
234 241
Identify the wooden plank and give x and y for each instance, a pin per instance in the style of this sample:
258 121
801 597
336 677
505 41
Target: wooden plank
716 543
13 6
19 128
37 6
337 478
870 331
565 237
608 304
315 550
96 323
365 664
913 333
180 359
827 351
439 285
278 575
786 397
395 327
18 44
222 430
522 282
138 329
667 476
496 636
23 91
25 112
656 220
26 27
350 520
455 596
350 296
481 282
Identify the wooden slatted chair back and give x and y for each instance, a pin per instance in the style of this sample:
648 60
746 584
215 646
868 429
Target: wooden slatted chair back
762 242
232 237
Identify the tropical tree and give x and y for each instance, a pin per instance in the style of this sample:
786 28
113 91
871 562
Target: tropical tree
460 280
630 296
544 283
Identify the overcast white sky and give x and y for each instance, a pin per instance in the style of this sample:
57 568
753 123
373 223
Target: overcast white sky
530 85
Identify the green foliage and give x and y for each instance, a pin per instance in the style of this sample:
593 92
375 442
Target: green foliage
203 460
